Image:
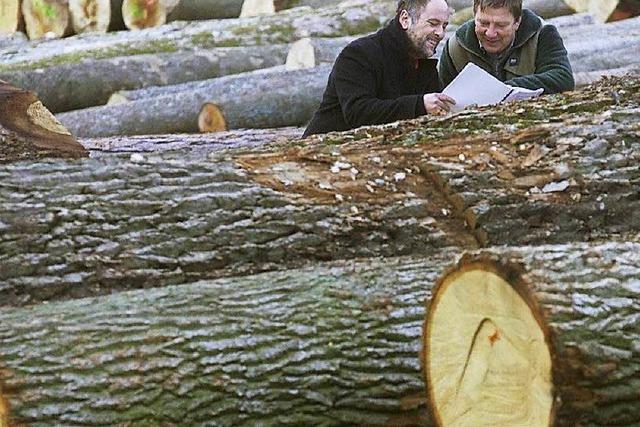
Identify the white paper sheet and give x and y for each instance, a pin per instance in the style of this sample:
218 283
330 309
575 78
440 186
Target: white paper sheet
474 86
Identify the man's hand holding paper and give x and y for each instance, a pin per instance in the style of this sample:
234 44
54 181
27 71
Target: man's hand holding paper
474 86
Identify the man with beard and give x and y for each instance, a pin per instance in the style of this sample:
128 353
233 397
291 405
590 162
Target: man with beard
512 44
387 76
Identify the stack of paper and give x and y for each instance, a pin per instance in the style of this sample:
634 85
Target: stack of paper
474 86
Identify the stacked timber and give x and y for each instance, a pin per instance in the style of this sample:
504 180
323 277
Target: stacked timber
68 74
336 342
265 98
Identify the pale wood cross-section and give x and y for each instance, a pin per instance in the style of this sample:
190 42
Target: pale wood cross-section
139 14
9 16
45 18
601 9
487 358
90 15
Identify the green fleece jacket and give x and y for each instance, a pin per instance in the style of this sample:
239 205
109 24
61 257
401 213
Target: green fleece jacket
524 64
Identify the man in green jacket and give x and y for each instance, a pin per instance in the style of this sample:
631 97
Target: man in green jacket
512 44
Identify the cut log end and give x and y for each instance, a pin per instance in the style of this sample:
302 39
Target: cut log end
45 18
9 16
30 122
486 350
601 9
257 7
139 14
211 119
90 15
4 410
301 55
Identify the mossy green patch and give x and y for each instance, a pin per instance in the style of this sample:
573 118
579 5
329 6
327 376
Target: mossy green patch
156 46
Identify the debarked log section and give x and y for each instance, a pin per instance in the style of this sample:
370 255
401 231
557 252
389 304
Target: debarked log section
546 338
336 344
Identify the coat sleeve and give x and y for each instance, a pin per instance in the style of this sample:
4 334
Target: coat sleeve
553 70
446 70
356 80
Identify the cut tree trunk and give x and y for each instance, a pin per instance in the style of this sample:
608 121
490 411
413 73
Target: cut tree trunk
90 15
543 337
194 10
28 130
10 16
284 27
310 52
544 8
257 99
335 344
45 18
90 82
139 14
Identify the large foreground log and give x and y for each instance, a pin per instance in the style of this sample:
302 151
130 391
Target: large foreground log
330 345
120 222
89 82
258 99
550 339
28 130
45 18
336 344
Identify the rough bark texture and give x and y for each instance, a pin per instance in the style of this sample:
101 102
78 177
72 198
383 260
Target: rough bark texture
90 15
588 298
28 130
588 77
116 222
284 27
335 344
45 18
91 82
200 144
258 99
544 8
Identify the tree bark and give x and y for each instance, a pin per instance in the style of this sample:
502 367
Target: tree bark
118 222
90 82
284 27
543 336
9 16
257 99
544 8
555 180
90 15
310 52
28 130
45 18
334 344
194 10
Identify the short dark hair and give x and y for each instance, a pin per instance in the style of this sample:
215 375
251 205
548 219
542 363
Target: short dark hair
413 7
514 6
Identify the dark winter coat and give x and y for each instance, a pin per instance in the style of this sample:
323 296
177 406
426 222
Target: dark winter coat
537 59
375 81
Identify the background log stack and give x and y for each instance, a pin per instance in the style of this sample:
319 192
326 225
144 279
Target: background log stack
216 277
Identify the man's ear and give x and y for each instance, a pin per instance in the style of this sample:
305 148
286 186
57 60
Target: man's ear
517 24
405 19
